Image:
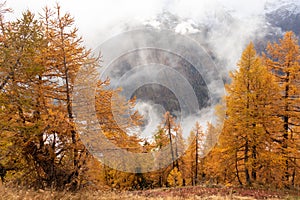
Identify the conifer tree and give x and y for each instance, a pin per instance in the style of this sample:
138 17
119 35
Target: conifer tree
283 59
250 109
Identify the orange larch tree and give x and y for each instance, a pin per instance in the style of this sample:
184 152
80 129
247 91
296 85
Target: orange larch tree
283 59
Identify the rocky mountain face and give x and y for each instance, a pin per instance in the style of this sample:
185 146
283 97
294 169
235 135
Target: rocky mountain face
157 76
284 14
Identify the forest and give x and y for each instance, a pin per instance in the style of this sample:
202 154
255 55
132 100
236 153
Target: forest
255 144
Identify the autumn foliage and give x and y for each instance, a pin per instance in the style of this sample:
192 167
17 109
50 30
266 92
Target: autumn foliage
257 146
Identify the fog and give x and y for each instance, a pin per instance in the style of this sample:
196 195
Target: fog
231 25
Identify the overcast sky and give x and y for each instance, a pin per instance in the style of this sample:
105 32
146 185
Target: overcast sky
95 17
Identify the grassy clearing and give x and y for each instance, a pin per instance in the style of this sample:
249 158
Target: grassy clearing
184 193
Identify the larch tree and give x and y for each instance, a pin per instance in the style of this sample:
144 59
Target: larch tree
211 137
22 99
175 178
39 62
161 140
65 55
118 122
213 151
283 59
169 125
179 148
194 152
168 137
250 100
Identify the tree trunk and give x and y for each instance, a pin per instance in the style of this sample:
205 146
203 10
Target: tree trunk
237 169
197 157
246 159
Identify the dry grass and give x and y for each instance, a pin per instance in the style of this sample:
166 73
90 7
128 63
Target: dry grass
158 194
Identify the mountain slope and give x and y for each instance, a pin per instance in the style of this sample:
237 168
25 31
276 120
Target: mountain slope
284 14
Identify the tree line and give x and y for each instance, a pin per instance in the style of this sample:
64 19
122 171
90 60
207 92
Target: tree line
257 146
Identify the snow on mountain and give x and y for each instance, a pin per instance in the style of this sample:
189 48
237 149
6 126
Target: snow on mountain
225 34
291 6
284 14
186 27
